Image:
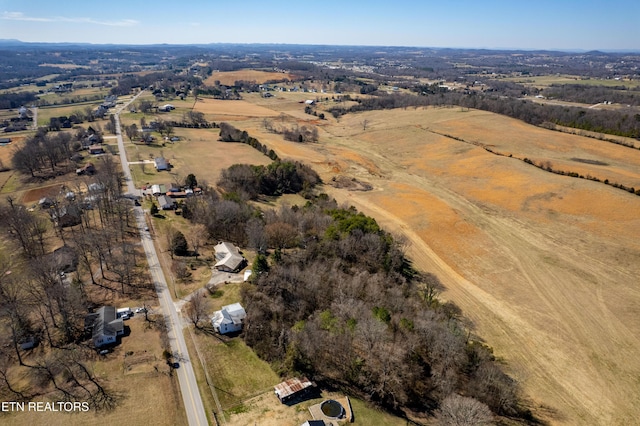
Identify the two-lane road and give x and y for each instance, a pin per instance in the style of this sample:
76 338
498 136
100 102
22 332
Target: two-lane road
186 377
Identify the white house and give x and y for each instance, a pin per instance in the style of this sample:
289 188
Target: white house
106 326
228 257
229 319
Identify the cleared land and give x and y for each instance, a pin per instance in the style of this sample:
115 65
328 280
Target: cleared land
544 265
198 152
230 77
217 110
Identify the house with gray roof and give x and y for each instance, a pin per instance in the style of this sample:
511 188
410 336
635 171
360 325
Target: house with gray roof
228 258
106 326
229 319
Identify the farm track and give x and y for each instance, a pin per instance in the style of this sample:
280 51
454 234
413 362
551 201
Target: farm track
541 291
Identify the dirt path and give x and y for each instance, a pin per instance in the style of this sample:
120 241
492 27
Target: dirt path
544 266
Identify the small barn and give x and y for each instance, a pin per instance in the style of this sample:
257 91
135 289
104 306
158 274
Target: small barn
293 388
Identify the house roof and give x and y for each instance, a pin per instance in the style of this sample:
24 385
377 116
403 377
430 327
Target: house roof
229 314
235 311
107 323
228 256
161 163
163 200
291 387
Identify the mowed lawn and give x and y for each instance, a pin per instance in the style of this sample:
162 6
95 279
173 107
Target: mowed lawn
198 152
236 371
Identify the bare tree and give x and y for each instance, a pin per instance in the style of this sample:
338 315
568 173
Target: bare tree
197 309
457 410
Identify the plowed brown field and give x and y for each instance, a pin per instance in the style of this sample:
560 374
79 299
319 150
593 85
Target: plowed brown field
545 266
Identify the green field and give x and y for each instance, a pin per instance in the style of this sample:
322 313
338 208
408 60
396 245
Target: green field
548 80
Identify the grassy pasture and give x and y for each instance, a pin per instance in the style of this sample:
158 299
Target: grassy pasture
527 254
230 77
548 80
218 110
45 113
65 66
198 152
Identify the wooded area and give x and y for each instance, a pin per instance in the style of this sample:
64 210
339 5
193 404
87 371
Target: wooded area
334 298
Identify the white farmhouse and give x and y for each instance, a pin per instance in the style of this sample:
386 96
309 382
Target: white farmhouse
229 319
106 326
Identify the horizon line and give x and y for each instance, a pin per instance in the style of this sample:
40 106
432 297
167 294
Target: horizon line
526 49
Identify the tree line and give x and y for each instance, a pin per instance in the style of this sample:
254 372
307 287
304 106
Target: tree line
228 133
621 122
589 94
277 178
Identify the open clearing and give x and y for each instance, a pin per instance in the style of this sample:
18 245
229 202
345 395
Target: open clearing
230 77
217 110
544 265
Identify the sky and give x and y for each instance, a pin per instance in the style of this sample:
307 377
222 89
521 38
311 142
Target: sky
492 24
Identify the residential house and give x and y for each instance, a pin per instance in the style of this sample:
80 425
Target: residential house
87 169
166 108
64 216
228 257
166 203
106 326
96 149
229 319
161 163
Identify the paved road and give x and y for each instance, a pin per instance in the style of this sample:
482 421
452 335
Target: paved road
186 377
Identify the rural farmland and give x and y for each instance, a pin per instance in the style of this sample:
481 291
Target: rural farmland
424 236
542 264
